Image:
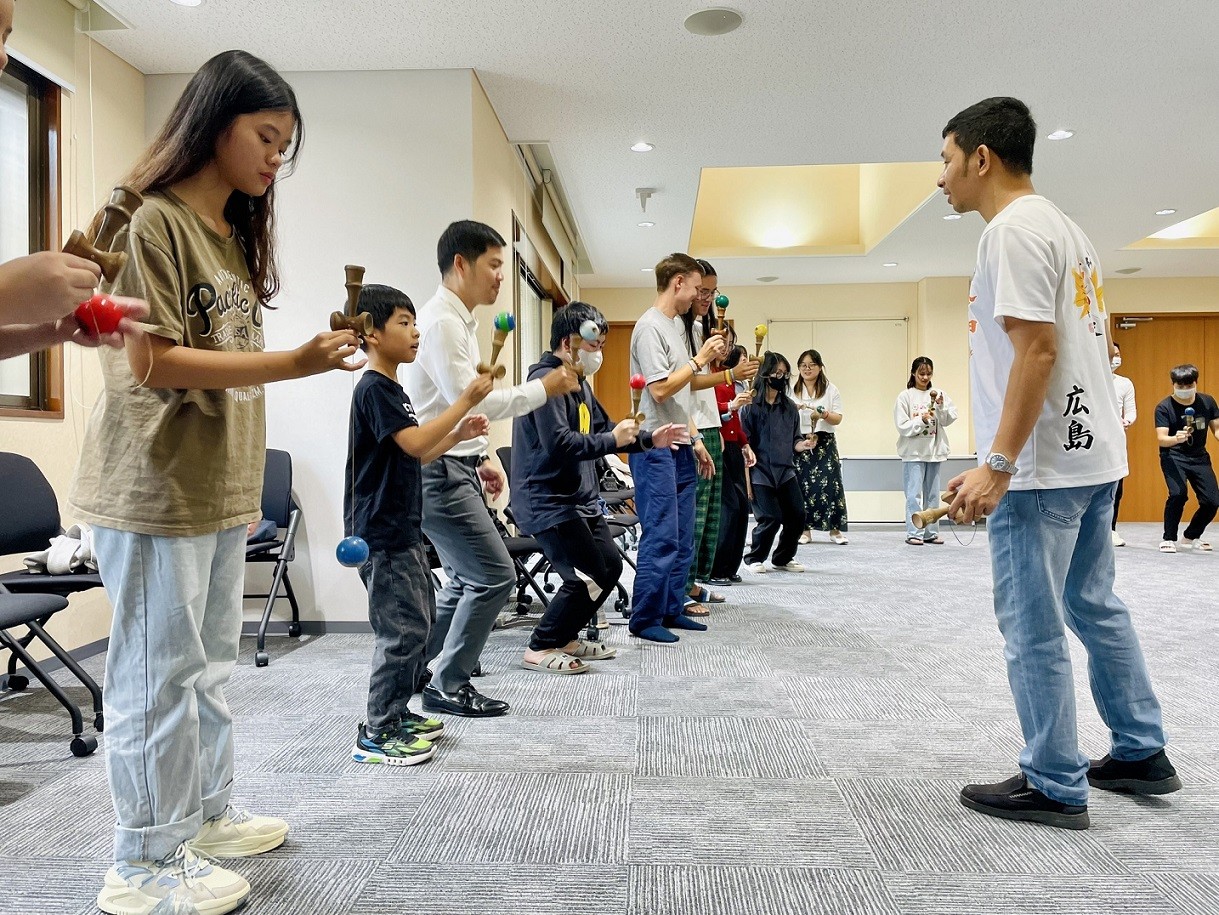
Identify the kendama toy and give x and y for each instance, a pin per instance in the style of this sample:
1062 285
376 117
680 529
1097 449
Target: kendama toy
504 324
100 315
351 318
930 515
589 332
637 383
721 312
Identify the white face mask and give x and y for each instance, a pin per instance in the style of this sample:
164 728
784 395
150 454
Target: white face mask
591 360
1117 362
1184 393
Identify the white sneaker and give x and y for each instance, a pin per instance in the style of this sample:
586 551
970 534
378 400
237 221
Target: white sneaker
1117 539
1167 546
806 537
792 566
183 882
839 538
758 568
237 833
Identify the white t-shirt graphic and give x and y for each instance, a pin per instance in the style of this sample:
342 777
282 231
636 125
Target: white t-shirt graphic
1035 264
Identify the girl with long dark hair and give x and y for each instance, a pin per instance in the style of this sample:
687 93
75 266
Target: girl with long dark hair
171 472
820 468
921 414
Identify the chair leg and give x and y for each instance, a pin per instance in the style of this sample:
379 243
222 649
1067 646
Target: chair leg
261 658
72 665
296 608
81 745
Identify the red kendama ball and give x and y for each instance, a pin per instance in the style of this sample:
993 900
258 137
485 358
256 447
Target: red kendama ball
638 382
99 315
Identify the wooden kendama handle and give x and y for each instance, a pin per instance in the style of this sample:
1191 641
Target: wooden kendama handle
349 319
498 339
931 515
124 201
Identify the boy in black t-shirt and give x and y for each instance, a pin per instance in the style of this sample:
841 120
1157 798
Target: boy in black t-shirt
1181 424
383 504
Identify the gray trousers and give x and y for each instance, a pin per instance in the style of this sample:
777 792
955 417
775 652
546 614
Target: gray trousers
476 562
173 645
402 610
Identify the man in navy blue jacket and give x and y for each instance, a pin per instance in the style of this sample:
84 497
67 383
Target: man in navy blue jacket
556 497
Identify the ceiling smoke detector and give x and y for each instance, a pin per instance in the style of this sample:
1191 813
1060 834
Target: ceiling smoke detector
717 20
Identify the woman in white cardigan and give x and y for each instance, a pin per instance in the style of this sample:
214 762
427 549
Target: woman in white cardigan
921 414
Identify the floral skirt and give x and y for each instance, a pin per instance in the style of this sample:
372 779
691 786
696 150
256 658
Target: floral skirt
820 474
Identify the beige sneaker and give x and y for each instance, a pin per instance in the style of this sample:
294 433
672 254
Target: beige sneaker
183 882
238 834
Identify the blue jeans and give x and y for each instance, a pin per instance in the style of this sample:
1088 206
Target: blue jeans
922 482
173 645
665 487
1052 559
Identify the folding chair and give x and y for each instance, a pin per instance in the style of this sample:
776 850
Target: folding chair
29 518
279 508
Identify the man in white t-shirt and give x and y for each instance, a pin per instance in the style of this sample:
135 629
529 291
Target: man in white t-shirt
1127 412
1051 451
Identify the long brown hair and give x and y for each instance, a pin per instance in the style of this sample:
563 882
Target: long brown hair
230 84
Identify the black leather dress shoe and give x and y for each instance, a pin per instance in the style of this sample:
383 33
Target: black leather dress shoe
466 702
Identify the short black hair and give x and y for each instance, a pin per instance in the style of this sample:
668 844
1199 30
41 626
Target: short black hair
1185 374
567 321
381 302
468 238
706 267
1002 124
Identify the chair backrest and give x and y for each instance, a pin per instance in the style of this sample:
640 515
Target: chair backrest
29 511
504 453
277 504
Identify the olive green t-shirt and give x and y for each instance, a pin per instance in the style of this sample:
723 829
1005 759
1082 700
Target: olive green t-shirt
177 463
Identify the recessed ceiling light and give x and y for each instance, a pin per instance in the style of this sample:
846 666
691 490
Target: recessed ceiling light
1061 135
642 147
1165 212
186 2
953 216
646 269
890 264
717 20
646 225
767 279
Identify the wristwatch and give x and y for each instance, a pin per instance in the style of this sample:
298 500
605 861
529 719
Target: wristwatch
1000 464
696 438
483 459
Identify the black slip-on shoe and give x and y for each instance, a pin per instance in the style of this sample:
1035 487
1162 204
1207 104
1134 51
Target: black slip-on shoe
1153 775
467 702
1015 799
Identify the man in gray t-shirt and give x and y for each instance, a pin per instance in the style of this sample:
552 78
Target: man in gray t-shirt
665 479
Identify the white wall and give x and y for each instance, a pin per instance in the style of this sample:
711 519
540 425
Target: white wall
386 165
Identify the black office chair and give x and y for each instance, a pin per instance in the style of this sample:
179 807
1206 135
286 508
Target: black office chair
279 508
29 519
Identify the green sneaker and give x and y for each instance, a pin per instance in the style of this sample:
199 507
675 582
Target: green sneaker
417 727
390 748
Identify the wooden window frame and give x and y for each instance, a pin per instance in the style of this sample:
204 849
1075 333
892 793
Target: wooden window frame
46 400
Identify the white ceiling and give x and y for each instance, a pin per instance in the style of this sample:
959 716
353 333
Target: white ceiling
800 82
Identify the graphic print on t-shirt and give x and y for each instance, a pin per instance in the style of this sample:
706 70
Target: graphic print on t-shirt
225 314
1087 294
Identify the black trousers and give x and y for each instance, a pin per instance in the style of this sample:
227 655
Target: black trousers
734 514
1198 473
779 511
582 551
1117 502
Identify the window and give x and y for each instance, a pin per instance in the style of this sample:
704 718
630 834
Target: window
29 202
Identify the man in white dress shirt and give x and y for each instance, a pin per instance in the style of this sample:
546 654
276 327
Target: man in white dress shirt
455 517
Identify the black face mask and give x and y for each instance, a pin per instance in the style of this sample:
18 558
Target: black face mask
778 384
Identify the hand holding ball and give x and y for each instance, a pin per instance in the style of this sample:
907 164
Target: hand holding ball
99 315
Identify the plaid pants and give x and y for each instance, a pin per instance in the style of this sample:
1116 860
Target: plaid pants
707 511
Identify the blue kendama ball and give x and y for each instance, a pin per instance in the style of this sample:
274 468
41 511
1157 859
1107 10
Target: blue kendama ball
588 331
352 552
505 322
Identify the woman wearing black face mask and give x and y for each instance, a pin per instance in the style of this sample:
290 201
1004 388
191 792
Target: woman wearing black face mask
772 424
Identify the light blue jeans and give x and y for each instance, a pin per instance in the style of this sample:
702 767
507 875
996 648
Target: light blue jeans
1052 559
922 481
173 644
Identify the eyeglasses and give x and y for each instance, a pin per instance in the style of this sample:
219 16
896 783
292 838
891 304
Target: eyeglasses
807 365
707 293
782 376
